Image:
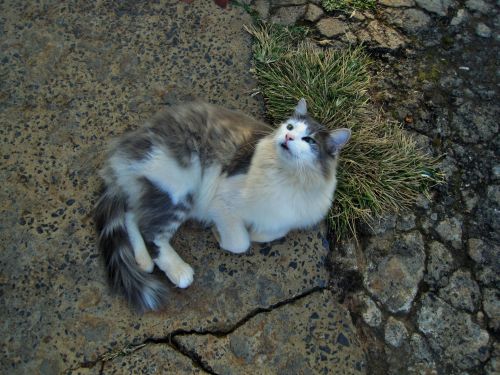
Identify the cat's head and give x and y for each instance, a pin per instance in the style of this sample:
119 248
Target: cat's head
303 142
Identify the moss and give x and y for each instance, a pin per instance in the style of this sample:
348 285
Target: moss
348 5
431 74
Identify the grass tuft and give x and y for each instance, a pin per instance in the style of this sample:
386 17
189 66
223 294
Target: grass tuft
381 169
348 5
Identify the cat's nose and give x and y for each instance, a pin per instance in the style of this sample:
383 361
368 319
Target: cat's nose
288 137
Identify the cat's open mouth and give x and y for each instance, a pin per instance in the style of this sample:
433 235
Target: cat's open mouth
283 145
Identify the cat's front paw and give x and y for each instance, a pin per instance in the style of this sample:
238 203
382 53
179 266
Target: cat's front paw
181 275
236 247
236 241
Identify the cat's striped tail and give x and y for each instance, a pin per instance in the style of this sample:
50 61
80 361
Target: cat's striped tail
141 289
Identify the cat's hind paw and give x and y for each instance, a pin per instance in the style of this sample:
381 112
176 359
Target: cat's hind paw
181 275
145 263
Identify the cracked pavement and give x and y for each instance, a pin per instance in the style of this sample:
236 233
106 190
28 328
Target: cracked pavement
421 288
74 75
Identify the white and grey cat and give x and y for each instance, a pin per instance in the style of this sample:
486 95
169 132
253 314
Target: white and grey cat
199 161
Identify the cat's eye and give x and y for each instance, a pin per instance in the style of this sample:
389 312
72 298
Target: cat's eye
289 126
308 140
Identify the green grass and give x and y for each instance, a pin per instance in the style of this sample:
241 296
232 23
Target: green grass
381 169
348 5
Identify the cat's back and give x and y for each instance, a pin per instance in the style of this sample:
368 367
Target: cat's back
212 132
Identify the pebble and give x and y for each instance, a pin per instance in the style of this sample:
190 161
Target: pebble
313 13
483 31
491 306
397 3
371 314
381 36
289 15
410 20
420 350
477 6
394 270
460 17
331 27
406 222
496 172
262 8
440 264
462 291
440 7
455 338
395 333
450 230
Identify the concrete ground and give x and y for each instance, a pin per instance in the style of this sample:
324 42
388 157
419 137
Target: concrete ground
73 75
418 294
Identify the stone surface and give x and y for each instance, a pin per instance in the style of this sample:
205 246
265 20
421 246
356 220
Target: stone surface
395 332
450 230
421 360
406 222
462 292
397 3
440 265
331 27
480 6
458 341
410 20
152 359
491 306
285 3
487 259
493 365
378 35
262 8
382 224
482 30
313 13
371 313
311 336
288 15
440 7
460 17
83 73
394 268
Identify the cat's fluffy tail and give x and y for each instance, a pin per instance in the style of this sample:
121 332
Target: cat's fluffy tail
142 290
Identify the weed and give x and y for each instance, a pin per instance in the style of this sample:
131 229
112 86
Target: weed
348 5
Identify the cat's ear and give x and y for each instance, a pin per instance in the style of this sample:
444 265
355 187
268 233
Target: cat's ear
301 108
337 140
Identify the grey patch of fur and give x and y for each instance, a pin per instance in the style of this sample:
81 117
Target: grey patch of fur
157 214
215 134
322 147
141 290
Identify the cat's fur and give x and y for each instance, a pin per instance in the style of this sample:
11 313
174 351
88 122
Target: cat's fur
199 161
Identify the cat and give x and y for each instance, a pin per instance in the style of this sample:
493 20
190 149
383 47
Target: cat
254 183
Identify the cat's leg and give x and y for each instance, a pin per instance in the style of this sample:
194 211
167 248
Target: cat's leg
141 254
267 236
179 272
159 218
232 234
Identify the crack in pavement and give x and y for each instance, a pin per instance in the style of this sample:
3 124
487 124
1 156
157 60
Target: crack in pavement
171 338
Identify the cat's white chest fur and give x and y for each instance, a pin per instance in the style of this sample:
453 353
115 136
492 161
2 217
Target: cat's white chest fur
279 208
273 202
